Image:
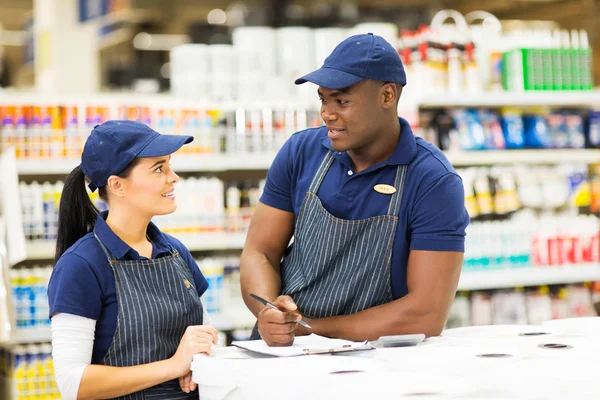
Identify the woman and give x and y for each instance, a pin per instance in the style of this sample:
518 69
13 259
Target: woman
124 297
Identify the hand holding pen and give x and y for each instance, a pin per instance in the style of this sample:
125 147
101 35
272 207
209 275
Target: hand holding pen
277 322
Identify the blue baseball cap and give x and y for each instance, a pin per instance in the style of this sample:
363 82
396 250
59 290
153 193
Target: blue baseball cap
359 57
112 145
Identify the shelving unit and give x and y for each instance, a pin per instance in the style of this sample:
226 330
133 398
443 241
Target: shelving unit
44 250
236 315
180 163
249 162
33 335
514 99
524 277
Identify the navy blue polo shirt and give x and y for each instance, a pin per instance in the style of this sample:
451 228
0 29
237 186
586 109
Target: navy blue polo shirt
83 283
432 213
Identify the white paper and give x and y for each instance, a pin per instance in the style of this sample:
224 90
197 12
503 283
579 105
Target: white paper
301 345
10 208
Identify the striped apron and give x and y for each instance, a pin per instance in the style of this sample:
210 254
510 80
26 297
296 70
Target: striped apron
157 301
337 266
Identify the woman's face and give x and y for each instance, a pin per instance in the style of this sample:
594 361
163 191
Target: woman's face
150 187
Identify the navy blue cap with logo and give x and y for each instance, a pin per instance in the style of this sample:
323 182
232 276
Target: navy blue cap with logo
114 144
359 57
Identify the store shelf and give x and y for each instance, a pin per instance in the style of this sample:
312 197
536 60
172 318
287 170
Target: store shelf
33 335
46 167
216 241
216 163
534 276
514 99
543 156
222 162
180 163
44 250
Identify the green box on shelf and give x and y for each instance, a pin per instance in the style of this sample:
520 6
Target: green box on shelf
575 68
567 69
547 69
538 69
558 72
585 65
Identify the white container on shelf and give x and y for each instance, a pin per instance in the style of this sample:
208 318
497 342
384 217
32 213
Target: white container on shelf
222 59
223 71
190 70
189 58
326 39
295 54
260 41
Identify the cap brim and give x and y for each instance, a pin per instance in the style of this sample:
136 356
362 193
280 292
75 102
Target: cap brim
163 145
330 78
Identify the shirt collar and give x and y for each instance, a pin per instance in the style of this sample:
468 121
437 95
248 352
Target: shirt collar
122 250
405 153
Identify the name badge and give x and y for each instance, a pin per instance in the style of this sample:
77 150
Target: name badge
384 189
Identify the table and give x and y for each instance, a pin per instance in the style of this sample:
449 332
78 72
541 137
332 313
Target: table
492 363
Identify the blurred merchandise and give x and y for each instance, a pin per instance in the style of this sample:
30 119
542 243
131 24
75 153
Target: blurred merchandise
205 206
508 128
522 306
526 241
27 372
30 298
59 132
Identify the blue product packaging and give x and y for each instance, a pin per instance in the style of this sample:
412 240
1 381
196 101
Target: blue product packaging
536 132
476 132
593 136
558 137
512 128
575 130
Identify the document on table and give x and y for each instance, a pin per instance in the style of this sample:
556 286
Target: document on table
304 345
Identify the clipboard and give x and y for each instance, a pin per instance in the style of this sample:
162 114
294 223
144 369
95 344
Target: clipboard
304 345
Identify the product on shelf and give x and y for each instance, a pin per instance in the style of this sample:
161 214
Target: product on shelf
29 296
545 60
205 206
519 307
595 188
508 128
226 130
28 372
530 242
223 300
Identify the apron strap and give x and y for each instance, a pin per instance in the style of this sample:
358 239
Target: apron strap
394 208
325 164
109 255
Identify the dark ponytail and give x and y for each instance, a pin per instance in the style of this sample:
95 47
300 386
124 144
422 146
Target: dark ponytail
76 214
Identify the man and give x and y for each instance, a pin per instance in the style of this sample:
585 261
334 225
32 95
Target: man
377 215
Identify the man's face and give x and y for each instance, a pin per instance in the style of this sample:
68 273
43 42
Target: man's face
352 115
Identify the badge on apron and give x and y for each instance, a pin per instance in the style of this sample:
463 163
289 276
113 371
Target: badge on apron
187 283
384 189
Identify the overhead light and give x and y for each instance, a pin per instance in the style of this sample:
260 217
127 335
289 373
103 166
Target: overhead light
217 17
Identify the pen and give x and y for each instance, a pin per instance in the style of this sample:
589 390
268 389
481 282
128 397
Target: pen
271 305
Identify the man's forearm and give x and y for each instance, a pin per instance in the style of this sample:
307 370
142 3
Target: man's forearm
260 277
396 318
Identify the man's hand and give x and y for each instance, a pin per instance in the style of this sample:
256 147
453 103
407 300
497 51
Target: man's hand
276 327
